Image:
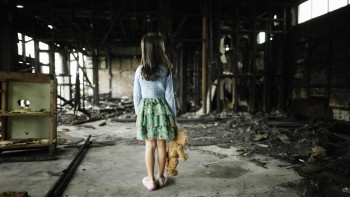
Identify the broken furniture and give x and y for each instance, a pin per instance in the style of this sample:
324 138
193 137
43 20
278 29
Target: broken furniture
33 125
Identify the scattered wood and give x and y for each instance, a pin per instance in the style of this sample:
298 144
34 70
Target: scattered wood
123 120
70 102
86 121
311 168
14 194
259 137
107 110
284 138
87 126
102 124
345 137
262 145
285 124
209 164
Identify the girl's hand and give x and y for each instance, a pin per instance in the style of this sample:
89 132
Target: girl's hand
175 129
175 126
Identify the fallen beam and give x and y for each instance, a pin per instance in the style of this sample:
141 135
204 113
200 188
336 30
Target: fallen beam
285 124
86 121
60 185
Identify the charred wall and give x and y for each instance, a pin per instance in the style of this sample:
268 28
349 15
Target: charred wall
8 38
117 69
320 61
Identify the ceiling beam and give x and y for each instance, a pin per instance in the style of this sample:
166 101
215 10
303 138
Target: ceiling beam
114 19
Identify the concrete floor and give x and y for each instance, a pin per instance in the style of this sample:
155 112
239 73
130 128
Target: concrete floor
117 170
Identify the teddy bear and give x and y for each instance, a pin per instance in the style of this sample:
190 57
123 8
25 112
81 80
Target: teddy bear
176 152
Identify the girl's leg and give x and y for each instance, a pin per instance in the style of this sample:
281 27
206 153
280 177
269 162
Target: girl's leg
161 146
149 158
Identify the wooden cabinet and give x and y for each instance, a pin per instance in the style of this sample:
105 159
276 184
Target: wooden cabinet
35 125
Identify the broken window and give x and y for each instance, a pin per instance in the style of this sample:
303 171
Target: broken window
319 7
29 47
261 37
304 12
314 8
336 4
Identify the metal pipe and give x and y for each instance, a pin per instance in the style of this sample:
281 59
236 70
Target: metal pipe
58 188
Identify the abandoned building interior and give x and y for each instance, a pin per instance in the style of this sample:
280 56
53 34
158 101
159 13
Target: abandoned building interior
261 87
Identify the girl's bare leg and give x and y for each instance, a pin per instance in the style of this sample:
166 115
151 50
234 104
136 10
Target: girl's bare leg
161 146
151 146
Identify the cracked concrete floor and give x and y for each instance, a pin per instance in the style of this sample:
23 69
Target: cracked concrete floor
115 166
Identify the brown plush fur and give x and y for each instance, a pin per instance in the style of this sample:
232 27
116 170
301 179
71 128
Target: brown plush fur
176 152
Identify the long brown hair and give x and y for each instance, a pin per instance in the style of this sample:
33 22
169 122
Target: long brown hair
153 56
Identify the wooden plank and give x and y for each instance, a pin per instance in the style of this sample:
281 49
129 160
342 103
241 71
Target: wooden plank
3 108
285 124
3 95
26 114
33 77
14 194
21 146
53 109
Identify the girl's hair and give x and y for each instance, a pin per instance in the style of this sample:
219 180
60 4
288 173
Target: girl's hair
153 56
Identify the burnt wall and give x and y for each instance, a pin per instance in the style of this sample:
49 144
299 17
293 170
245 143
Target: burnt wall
321 66
8 38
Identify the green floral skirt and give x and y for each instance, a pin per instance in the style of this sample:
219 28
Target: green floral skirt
154 120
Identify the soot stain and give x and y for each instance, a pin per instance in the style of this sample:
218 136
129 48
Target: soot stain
222 171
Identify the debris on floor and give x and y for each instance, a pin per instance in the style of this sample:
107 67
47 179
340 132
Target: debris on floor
18 142
14 194
313 148
110 108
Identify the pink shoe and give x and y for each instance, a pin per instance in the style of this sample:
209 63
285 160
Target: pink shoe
162 181
150 185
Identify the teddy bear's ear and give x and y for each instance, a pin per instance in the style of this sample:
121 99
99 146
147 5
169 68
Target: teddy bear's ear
180 129
182 136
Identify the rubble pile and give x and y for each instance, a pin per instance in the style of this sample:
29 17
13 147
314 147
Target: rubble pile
318 150
108 108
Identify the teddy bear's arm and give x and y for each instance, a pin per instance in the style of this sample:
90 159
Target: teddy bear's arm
171 166
172 152
181 152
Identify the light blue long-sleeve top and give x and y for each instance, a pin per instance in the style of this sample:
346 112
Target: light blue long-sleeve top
161 88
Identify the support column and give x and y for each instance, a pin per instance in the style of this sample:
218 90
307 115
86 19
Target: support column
181 78
234 60
165 21
52 58
267 67
95 77
37 55
252 69
110 72
210 59
204 7
204 64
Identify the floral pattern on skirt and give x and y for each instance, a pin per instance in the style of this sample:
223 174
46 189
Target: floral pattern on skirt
154 120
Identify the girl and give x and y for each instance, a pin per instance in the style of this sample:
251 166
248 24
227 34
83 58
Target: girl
154 106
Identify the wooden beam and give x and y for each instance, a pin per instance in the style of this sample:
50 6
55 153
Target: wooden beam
34 77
